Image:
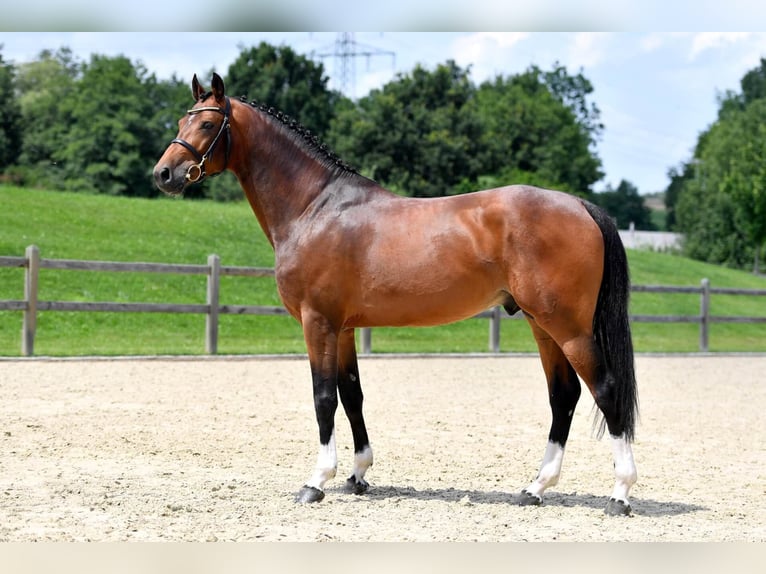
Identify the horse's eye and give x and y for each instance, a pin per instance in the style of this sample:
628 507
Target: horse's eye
207 125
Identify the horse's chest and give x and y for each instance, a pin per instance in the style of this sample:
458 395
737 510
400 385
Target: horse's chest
300 273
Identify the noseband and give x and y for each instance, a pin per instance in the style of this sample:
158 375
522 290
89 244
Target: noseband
196 172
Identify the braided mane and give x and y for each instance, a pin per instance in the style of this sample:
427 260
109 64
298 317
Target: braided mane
304 137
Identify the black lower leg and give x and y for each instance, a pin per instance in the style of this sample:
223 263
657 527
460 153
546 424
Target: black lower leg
564 392
325 405
352 398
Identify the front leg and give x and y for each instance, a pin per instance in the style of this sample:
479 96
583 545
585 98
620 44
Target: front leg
322 345
350 390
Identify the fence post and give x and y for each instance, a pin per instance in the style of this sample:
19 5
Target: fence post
494 330
29 327
213 297
705 315
366 334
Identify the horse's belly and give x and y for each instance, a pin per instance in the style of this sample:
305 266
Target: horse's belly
412 307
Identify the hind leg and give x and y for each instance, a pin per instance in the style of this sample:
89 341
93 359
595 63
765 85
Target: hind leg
589 364
351 397
563 394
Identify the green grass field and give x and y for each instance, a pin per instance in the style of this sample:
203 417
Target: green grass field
80 226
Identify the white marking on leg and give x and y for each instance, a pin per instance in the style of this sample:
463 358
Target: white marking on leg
327 464
362 461
624 468
550 470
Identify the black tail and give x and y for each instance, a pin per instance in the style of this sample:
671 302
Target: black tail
611 326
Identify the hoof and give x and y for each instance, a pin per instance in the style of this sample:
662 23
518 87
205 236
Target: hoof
617 508
354 487
529 499
309 494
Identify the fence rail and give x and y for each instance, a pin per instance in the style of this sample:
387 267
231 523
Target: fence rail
32 263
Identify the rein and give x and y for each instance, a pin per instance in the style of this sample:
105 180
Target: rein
196 172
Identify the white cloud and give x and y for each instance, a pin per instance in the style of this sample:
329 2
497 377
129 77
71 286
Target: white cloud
474 48
711 40
651 42
588 49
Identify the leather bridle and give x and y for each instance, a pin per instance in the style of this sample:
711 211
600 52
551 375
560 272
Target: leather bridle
196 172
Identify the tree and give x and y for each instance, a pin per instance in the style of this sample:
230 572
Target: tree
678 179
722 211
290 82
721 205
10 116
626 206
112 142
434 133
573 92
538 126
419 134
44 86
707 222
753 84
100 126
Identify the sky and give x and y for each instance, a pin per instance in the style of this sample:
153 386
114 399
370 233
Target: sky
656 90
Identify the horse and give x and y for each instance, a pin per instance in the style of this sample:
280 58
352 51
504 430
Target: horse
349 253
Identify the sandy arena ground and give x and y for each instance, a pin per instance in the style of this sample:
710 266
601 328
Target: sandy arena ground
214 449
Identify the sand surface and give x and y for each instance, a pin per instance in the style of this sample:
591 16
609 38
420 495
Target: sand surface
214 449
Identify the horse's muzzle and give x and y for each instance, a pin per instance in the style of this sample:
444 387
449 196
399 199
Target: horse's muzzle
168 180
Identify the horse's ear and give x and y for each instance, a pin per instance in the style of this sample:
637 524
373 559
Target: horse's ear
218 87
197 90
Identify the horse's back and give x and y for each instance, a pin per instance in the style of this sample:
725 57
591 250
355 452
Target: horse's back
529 226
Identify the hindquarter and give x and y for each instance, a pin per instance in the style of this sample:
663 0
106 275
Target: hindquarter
555 259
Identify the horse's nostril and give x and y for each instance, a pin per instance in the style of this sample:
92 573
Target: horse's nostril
165 175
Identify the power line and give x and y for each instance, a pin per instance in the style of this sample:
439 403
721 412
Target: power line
345 50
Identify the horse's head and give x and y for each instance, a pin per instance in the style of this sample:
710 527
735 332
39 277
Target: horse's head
195 153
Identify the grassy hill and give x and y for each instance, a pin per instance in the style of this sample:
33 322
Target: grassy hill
80 226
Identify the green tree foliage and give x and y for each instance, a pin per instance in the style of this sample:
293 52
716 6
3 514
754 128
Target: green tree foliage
540 123
419 134
753 84
722 208
678 178
96 127
100 126
44 86
573 92
111 133
626 206
433 132
10 116
286 80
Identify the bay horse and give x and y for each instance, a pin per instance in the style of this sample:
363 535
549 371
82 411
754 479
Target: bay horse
349 253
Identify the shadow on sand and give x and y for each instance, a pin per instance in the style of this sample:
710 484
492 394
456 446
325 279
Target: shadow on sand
641 506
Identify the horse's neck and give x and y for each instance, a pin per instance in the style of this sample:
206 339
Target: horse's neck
283 178
280 179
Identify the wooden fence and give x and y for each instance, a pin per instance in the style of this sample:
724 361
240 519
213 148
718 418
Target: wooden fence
212 308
